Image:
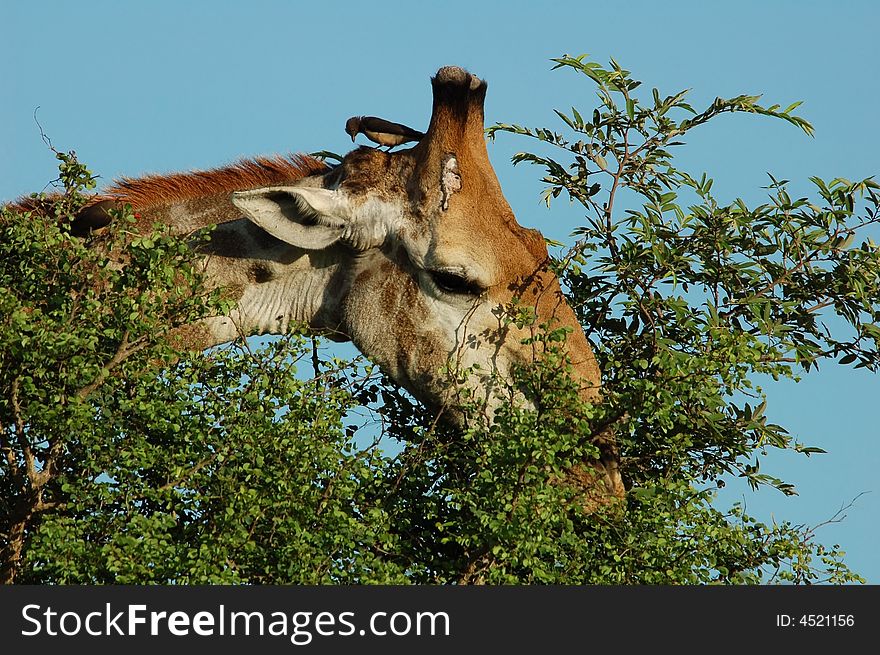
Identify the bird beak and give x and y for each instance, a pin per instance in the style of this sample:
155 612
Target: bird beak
352 137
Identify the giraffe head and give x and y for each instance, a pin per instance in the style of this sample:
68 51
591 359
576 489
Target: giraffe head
436 253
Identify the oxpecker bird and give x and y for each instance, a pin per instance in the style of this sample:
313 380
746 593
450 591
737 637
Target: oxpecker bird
380 131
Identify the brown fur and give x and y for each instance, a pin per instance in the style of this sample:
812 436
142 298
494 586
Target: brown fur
246 174
37 204
152 190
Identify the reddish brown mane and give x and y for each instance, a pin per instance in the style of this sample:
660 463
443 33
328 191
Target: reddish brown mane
152 190
38 204
245 174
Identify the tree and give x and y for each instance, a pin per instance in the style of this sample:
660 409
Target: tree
126 460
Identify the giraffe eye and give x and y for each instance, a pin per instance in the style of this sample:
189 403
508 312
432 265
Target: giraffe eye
456 284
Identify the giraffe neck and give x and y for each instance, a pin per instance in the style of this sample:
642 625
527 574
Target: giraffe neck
276 286
277 297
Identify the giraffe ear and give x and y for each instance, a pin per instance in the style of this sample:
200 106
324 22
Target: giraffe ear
308 218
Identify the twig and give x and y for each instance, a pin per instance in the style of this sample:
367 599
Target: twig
123 352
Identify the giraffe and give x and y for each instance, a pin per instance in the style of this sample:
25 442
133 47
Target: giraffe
407 254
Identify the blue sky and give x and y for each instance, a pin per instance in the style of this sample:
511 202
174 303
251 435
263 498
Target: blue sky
164 86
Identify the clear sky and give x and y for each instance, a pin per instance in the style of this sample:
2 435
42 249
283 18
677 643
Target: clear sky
139 87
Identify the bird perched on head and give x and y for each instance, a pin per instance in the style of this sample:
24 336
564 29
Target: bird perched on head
380 131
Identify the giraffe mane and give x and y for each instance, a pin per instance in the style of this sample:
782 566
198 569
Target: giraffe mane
244 174
157 189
